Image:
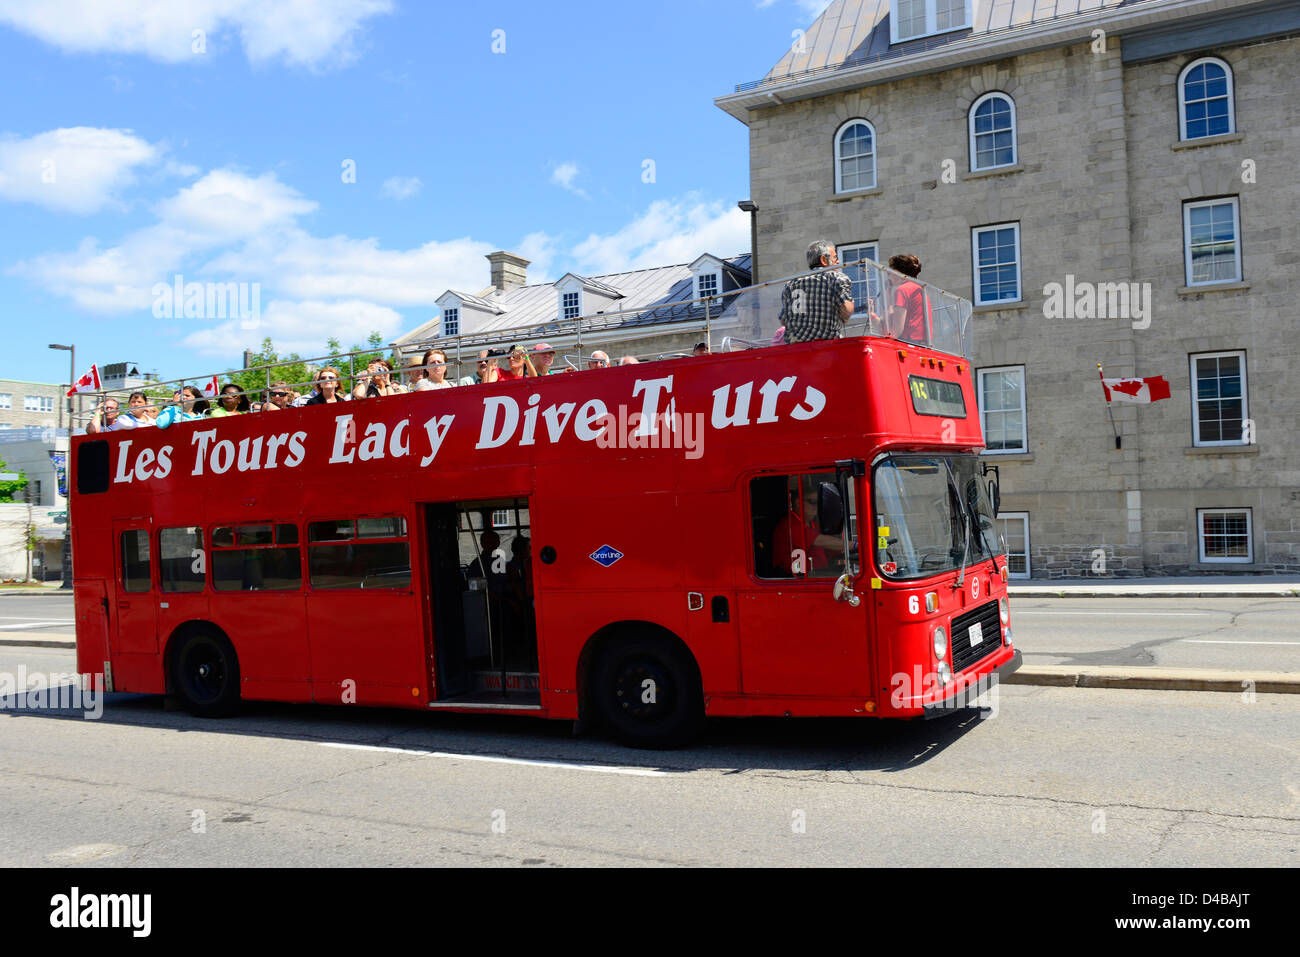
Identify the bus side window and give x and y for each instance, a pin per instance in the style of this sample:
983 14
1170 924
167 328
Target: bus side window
345 554
137 573
787 540
182 561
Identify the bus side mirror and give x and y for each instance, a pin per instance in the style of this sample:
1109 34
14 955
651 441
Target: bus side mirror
995 496
830 509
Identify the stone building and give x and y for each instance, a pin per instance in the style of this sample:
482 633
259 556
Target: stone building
31 405
1109 182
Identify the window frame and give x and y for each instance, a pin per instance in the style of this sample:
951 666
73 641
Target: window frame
121 558
7 401
839 158
971 134
975 232
1249 558
1029 549
451 321
1188 206
717 284
358 539
874 257
931 22
1024 411
852 516
210 544
565 307
207 563
1182 99
1194 390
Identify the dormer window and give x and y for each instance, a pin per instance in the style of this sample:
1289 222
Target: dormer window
910 19
451 322
570 305
706 285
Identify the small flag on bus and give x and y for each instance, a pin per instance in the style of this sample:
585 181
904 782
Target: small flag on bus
210 388
87 383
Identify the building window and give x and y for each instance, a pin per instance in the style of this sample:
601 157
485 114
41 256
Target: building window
855 157
706 285
996 251
570 305
1002 409
1205 99
38 403
910 19
6 400
1219 412
1224 535
1210 230
451 322
857 260
992 132
1014 529
501 518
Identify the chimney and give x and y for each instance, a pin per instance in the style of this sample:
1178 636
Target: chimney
508 270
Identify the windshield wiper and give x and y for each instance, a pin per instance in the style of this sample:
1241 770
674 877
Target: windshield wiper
965 523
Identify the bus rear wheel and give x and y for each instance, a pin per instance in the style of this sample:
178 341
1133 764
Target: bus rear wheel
647 691
205 673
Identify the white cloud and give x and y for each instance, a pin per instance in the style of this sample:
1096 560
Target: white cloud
670 231
813 8
300 32
75 170
564 175
401 187
225 205
302 327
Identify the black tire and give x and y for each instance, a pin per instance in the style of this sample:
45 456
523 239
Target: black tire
646 690
205 674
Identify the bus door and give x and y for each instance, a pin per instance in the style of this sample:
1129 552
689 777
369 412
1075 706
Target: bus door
795 638
135 607
483 603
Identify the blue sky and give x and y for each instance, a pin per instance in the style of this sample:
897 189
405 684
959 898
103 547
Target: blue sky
133 149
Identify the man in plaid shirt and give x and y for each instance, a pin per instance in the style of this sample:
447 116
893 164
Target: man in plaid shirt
817 306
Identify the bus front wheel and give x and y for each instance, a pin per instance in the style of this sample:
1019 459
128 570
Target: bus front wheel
205 673
647 691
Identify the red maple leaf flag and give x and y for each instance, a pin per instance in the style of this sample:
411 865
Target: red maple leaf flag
210 388
87 383
1142 391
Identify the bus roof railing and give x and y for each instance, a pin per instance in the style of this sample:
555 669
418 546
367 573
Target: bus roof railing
752 316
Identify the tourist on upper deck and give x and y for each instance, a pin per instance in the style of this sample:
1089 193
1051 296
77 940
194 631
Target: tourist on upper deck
106 418
277 397
598 360
377 381
327 388
232 402
486 371
701 349
628 361
189 406
543 356
909 312
434 375
818 305
521 366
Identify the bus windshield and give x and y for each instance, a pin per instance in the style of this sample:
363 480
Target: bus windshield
933 515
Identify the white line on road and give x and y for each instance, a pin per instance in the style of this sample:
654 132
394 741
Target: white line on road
34 624
1206 641
1123 614
636 772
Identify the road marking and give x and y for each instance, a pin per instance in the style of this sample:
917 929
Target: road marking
28 626
600 769
1205 641
1126 614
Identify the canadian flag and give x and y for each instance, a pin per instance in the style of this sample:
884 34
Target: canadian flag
87 383
1142 391
210 388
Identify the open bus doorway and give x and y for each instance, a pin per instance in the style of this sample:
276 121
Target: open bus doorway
484 612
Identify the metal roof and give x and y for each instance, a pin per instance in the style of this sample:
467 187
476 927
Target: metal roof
649 297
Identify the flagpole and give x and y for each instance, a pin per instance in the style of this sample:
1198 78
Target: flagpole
1109 411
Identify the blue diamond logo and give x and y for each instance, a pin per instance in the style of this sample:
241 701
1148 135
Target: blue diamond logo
606 555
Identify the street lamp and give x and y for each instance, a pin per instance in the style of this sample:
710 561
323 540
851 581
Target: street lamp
749 206
67 530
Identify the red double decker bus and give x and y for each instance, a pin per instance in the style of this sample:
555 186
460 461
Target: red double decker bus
797 530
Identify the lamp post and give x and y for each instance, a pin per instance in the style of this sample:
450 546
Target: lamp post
67 531
749 206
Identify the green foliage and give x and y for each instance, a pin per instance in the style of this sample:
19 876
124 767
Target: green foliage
289 368
9 489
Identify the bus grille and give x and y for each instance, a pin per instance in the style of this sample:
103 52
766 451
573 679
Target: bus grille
963 653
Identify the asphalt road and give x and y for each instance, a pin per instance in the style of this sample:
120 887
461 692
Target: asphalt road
1052 776
1250 634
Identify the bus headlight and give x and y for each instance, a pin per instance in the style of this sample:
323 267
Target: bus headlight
1004 609
940 642
945 675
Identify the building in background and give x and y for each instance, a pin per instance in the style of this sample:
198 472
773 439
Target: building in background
32 405
1109 182
41 454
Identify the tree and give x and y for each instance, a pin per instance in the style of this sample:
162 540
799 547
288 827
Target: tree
290 369
11 488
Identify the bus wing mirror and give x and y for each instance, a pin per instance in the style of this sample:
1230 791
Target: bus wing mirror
995 496
830 509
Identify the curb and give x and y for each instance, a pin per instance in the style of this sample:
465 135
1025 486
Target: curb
1156 679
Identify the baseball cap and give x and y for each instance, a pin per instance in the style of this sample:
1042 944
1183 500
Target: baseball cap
543 347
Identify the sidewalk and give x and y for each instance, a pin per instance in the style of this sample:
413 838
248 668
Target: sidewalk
1191 586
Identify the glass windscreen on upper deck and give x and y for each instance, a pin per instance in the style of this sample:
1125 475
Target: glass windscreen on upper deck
885 303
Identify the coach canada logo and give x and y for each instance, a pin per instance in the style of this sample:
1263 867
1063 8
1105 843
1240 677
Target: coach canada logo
606 555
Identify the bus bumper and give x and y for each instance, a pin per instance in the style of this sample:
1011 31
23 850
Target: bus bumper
966 698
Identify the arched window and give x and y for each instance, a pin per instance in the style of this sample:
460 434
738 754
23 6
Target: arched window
855 156
992 132
1205 99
